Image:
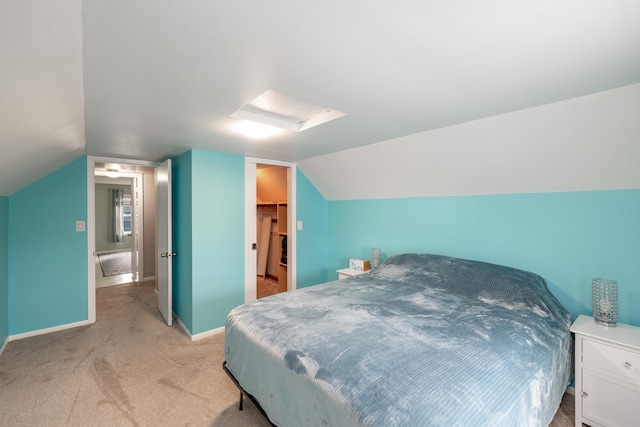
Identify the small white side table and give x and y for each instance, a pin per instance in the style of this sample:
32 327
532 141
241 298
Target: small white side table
607 373
347 272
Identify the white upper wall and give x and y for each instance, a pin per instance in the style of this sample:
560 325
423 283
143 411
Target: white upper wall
586 143
41 89
150 80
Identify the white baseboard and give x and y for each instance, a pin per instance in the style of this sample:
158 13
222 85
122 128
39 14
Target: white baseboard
183 327
201 335
4 345
148 279
206 334
571 390
47 330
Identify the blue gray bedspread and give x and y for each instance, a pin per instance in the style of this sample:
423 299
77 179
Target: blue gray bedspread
424 340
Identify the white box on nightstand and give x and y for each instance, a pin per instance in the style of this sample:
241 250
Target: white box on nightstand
348 272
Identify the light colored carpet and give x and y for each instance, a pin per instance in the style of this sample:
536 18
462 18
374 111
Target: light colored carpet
128 369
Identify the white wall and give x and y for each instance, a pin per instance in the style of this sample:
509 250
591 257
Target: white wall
585 143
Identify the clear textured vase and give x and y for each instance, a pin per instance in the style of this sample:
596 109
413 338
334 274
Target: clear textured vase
375 257
604 301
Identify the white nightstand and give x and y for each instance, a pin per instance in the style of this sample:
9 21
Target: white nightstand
607 373
347 272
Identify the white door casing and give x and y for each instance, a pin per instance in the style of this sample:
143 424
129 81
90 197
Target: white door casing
136 218
250 213
165 254
134 180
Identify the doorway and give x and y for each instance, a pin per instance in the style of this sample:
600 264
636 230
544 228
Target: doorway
270 218
119 226
138 220
271 230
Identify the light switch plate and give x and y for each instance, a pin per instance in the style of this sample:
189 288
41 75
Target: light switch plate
80 226
299 225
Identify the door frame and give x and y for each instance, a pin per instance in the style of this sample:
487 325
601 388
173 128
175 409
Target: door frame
137 249
250 215
91 227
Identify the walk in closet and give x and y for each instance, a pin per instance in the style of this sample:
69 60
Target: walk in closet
272 243
271 222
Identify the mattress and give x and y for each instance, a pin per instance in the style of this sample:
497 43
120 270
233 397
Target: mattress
422 340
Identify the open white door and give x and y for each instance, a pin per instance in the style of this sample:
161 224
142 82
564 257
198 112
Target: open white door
164 245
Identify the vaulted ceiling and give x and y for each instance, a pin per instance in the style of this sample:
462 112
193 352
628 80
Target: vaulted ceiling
150 79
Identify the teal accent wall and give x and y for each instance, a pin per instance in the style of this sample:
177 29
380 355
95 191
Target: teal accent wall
182 237
208 209
568 238
4 269
47 278
218 238
311 241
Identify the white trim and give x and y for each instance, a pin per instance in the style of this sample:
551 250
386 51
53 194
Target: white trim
250 223
137 187
182 326
91 239
250 237
571 390
207 334
292 231
99 159
201 335
48 330
4 346
269 162
135 181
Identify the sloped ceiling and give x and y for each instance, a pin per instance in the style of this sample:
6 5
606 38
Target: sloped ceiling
151 79
41 94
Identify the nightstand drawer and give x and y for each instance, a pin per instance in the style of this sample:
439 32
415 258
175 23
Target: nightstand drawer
624 363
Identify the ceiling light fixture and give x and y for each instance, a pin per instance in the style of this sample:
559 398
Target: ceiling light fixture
276 109
112 173
257 130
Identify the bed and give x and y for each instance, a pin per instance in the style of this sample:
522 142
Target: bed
423 340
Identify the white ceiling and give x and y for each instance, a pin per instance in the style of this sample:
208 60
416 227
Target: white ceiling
150 79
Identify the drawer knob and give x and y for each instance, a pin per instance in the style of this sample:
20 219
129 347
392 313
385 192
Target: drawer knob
627 365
